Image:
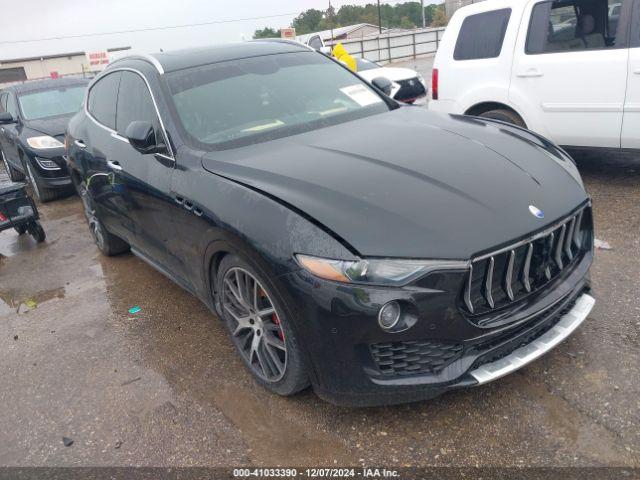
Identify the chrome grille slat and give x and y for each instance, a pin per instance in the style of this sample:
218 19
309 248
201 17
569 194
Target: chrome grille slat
577 232
547 270
569 238
508 278
467 291
527 265
488 283
559 246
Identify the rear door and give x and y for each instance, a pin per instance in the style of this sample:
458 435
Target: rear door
630 137
570 70
110 199
144 179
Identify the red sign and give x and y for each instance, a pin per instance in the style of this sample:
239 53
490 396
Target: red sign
97 60
54 75
289 33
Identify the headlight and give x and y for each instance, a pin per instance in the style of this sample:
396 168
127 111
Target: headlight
44 142
373 271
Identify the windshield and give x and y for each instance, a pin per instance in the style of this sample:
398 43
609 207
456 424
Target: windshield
364 64
244 101
51 103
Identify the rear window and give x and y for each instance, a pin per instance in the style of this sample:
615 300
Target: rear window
576 25
102 99
482 35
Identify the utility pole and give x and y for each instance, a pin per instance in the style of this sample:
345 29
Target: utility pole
379 18
331 20
424 20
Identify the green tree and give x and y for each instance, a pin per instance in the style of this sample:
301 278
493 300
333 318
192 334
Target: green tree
308 21
440 17
266 32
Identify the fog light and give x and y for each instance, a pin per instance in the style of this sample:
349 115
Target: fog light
389 315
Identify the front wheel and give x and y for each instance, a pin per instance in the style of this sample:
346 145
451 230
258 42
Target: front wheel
21 230
43 194
260 328
107 243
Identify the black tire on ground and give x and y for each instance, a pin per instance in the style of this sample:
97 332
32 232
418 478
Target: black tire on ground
504 115
295 378
21 230
106 242
14 175
43 194
36 231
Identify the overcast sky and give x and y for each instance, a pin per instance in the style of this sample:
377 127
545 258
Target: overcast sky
36 19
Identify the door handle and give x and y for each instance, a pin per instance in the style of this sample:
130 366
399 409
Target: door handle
113 165
79 144
531 73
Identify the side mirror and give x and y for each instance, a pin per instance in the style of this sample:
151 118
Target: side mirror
384 84
6 118
142 137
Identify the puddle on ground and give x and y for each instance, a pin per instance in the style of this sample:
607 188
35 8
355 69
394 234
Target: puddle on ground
10 302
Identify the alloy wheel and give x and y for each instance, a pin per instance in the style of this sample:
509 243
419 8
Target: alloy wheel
255 324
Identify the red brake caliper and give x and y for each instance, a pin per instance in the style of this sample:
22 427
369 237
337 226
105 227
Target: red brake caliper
274 318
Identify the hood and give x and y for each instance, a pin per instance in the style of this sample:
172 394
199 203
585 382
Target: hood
412 183
53 126
392 73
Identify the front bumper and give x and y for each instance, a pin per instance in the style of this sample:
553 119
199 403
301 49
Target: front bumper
345 345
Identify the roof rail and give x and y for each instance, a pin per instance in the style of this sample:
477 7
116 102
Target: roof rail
143 56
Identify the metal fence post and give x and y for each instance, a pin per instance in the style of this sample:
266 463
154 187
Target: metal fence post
414 45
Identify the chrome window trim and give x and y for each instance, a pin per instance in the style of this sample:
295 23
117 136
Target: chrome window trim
113 132
145 56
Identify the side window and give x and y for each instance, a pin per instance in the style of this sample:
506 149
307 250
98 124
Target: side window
3 102
134 103
482 35
12 108
576 25
315 42
102 99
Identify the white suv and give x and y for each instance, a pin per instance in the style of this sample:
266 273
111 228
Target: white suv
567 69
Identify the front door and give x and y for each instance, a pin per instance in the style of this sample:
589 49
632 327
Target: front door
9 132
630 137
570 69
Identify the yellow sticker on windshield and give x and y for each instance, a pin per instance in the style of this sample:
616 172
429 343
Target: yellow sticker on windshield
361 95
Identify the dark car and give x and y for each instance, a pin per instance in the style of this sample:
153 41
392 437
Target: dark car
33 119
380 253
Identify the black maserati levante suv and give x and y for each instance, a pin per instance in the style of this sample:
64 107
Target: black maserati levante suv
377 252
33 120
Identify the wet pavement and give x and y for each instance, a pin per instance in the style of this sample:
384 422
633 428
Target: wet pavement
164 386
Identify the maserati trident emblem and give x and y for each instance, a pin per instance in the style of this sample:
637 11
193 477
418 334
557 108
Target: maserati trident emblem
536 212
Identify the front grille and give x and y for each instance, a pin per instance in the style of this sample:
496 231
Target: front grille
414 357
501 278
410 89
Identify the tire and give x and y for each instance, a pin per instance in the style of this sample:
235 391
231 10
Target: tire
43 194
504 115
21 230
106 242
36 231
14 175
260 339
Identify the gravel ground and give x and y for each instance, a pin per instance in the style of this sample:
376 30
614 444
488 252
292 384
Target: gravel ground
164 386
